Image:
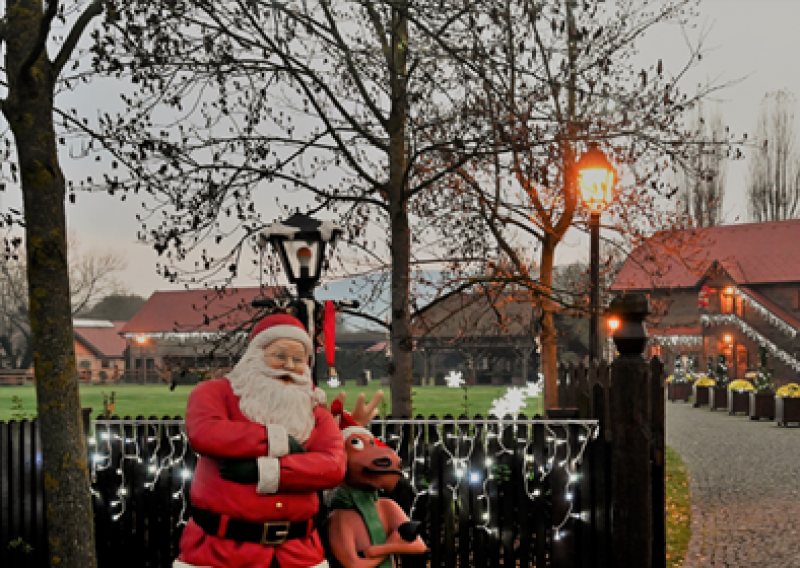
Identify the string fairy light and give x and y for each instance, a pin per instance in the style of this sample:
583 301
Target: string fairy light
164 448
730 319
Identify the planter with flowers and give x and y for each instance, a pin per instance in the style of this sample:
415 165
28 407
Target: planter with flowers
762 400
739 396
701 391
787 404
679 387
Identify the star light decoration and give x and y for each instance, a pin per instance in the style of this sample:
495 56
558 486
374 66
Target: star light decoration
454 380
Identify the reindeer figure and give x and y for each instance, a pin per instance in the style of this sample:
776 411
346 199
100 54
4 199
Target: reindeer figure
363 529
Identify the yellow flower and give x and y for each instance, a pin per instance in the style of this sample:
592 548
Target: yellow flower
741 386
705 382
792 390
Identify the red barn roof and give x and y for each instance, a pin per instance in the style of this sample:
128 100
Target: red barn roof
101 337
753 253
198 310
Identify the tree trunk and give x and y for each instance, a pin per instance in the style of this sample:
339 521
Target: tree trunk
402 342
548 339
29 111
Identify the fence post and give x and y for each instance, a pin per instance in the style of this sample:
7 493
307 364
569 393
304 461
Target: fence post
631 412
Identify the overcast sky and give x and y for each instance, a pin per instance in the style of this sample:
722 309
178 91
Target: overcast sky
756 41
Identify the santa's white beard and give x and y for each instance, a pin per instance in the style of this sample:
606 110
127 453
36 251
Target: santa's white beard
266 399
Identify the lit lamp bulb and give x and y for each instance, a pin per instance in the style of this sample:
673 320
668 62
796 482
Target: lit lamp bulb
304 258
613 324
141 339
728 338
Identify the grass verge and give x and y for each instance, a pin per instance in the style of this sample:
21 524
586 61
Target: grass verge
158 400
679 513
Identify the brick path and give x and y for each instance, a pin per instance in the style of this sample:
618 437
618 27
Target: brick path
745 487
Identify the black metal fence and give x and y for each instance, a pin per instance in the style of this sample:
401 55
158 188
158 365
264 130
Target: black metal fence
516 492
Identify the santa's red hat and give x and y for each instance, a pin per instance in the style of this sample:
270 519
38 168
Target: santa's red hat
348 426
281 326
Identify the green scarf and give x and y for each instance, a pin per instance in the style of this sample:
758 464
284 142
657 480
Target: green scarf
364 502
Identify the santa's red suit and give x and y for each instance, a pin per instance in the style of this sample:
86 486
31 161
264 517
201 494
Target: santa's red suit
286 490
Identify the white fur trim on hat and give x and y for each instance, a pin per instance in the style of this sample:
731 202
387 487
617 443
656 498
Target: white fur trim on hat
269 475
277 440
319 396
284 332
350 430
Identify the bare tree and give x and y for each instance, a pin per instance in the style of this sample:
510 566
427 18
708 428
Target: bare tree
773 177
569 80
30 78
346 102
703 176
93 276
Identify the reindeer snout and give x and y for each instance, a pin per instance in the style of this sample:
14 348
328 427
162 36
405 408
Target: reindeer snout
382 462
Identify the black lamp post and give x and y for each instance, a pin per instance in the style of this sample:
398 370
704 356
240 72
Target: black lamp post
301 242
596 179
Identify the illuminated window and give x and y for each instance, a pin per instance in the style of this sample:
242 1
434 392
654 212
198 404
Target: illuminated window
726 302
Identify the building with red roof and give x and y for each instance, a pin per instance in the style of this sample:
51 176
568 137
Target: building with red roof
187 331
722 290
99 349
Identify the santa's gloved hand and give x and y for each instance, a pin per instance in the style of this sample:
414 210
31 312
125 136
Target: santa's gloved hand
295 447
239 471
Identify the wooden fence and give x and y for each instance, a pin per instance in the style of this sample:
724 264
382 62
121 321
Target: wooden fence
488 492
627 399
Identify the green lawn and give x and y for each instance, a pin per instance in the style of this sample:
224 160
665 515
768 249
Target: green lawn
679 514
158 400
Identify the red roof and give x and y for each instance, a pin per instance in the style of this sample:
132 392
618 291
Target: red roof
753 253
198 310
102 340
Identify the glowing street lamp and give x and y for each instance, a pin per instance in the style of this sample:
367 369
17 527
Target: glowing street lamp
596 179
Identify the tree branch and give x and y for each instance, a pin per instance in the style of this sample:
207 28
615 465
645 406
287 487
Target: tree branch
41 38
94 9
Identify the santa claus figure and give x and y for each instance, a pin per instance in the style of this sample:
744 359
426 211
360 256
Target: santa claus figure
267 447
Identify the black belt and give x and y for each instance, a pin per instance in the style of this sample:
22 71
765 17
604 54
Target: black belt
269 534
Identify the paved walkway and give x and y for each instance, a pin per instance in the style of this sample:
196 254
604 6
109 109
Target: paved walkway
745 486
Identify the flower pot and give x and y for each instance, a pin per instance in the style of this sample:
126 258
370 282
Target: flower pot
787 410
701 396
762 405
679 391
738 402
718 398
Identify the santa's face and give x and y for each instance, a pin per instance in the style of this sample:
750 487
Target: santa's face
274 386
286 354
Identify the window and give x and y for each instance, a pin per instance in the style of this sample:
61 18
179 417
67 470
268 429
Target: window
726 302
739 306
741 356
105 364
796 299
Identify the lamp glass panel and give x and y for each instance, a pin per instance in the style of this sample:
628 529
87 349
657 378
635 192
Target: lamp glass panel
595 184
292 248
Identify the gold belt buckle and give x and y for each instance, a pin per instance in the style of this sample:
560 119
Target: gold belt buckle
274 533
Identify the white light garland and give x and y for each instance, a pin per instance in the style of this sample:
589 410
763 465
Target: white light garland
764 312
559 455
673 340
730 319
